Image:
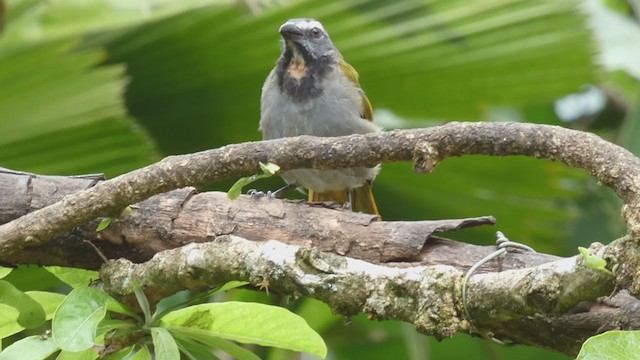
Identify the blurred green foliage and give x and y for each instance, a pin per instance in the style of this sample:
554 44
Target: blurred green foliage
109 86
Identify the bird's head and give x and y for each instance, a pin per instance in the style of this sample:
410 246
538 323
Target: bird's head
308 39
308 58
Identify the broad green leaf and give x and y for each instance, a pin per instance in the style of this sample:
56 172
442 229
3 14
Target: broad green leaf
88 354
4 271
32 348
55 19
212 341
48 300
249 323
612 345
73 276
77 333
31 312
185 297
9 321
164 346
76 320
69 109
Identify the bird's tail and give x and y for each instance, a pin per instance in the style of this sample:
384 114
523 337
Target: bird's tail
361 198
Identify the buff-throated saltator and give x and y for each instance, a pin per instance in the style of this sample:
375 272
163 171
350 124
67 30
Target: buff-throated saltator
313 91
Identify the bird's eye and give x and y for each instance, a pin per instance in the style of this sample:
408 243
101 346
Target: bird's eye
316 32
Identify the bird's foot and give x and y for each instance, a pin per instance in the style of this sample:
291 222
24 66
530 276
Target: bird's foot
270 194
258 194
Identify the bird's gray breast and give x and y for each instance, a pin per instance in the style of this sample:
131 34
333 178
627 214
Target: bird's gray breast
335 112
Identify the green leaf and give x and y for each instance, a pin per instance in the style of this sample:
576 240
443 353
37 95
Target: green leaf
9 325
118 307
88 354
236 189
593 261
185 297
69 109
612 345
212 341
144 304
9 321
107 325
55 19
32 348
4 271
48 300
195 350
165 347
76 320
73 276
31 312
130 353
175 301
142 354
249 323
230 285
77 333
269 168
104 223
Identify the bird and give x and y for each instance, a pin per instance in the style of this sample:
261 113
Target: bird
312 90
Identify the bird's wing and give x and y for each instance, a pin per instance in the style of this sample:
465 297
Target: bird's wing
352 74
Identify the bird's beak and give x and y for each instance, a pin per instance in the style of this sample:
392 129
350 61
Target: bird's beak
290 31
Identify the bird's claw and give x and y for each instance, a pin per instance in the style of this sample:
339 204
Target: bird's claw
255 193
258 194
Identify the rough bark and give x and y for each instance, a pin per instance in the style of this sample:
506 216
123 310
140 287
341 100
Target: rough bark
183 216
526 306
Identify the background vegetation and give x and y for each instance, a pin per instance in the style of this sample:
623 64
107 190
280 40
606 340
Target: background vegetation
112 85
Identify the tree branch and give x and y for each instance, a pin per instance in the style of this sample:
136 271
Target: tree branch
182 216
612 165
427 296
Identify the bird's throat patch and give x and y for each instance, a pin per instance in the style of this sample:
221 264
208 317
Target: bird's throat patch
297 68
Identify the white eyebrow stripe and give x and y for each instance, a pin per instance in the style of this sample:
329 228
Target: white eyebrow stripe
308 24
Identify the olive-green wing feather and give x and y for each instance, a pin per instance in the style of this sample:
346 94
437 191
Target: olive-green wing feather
352 74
